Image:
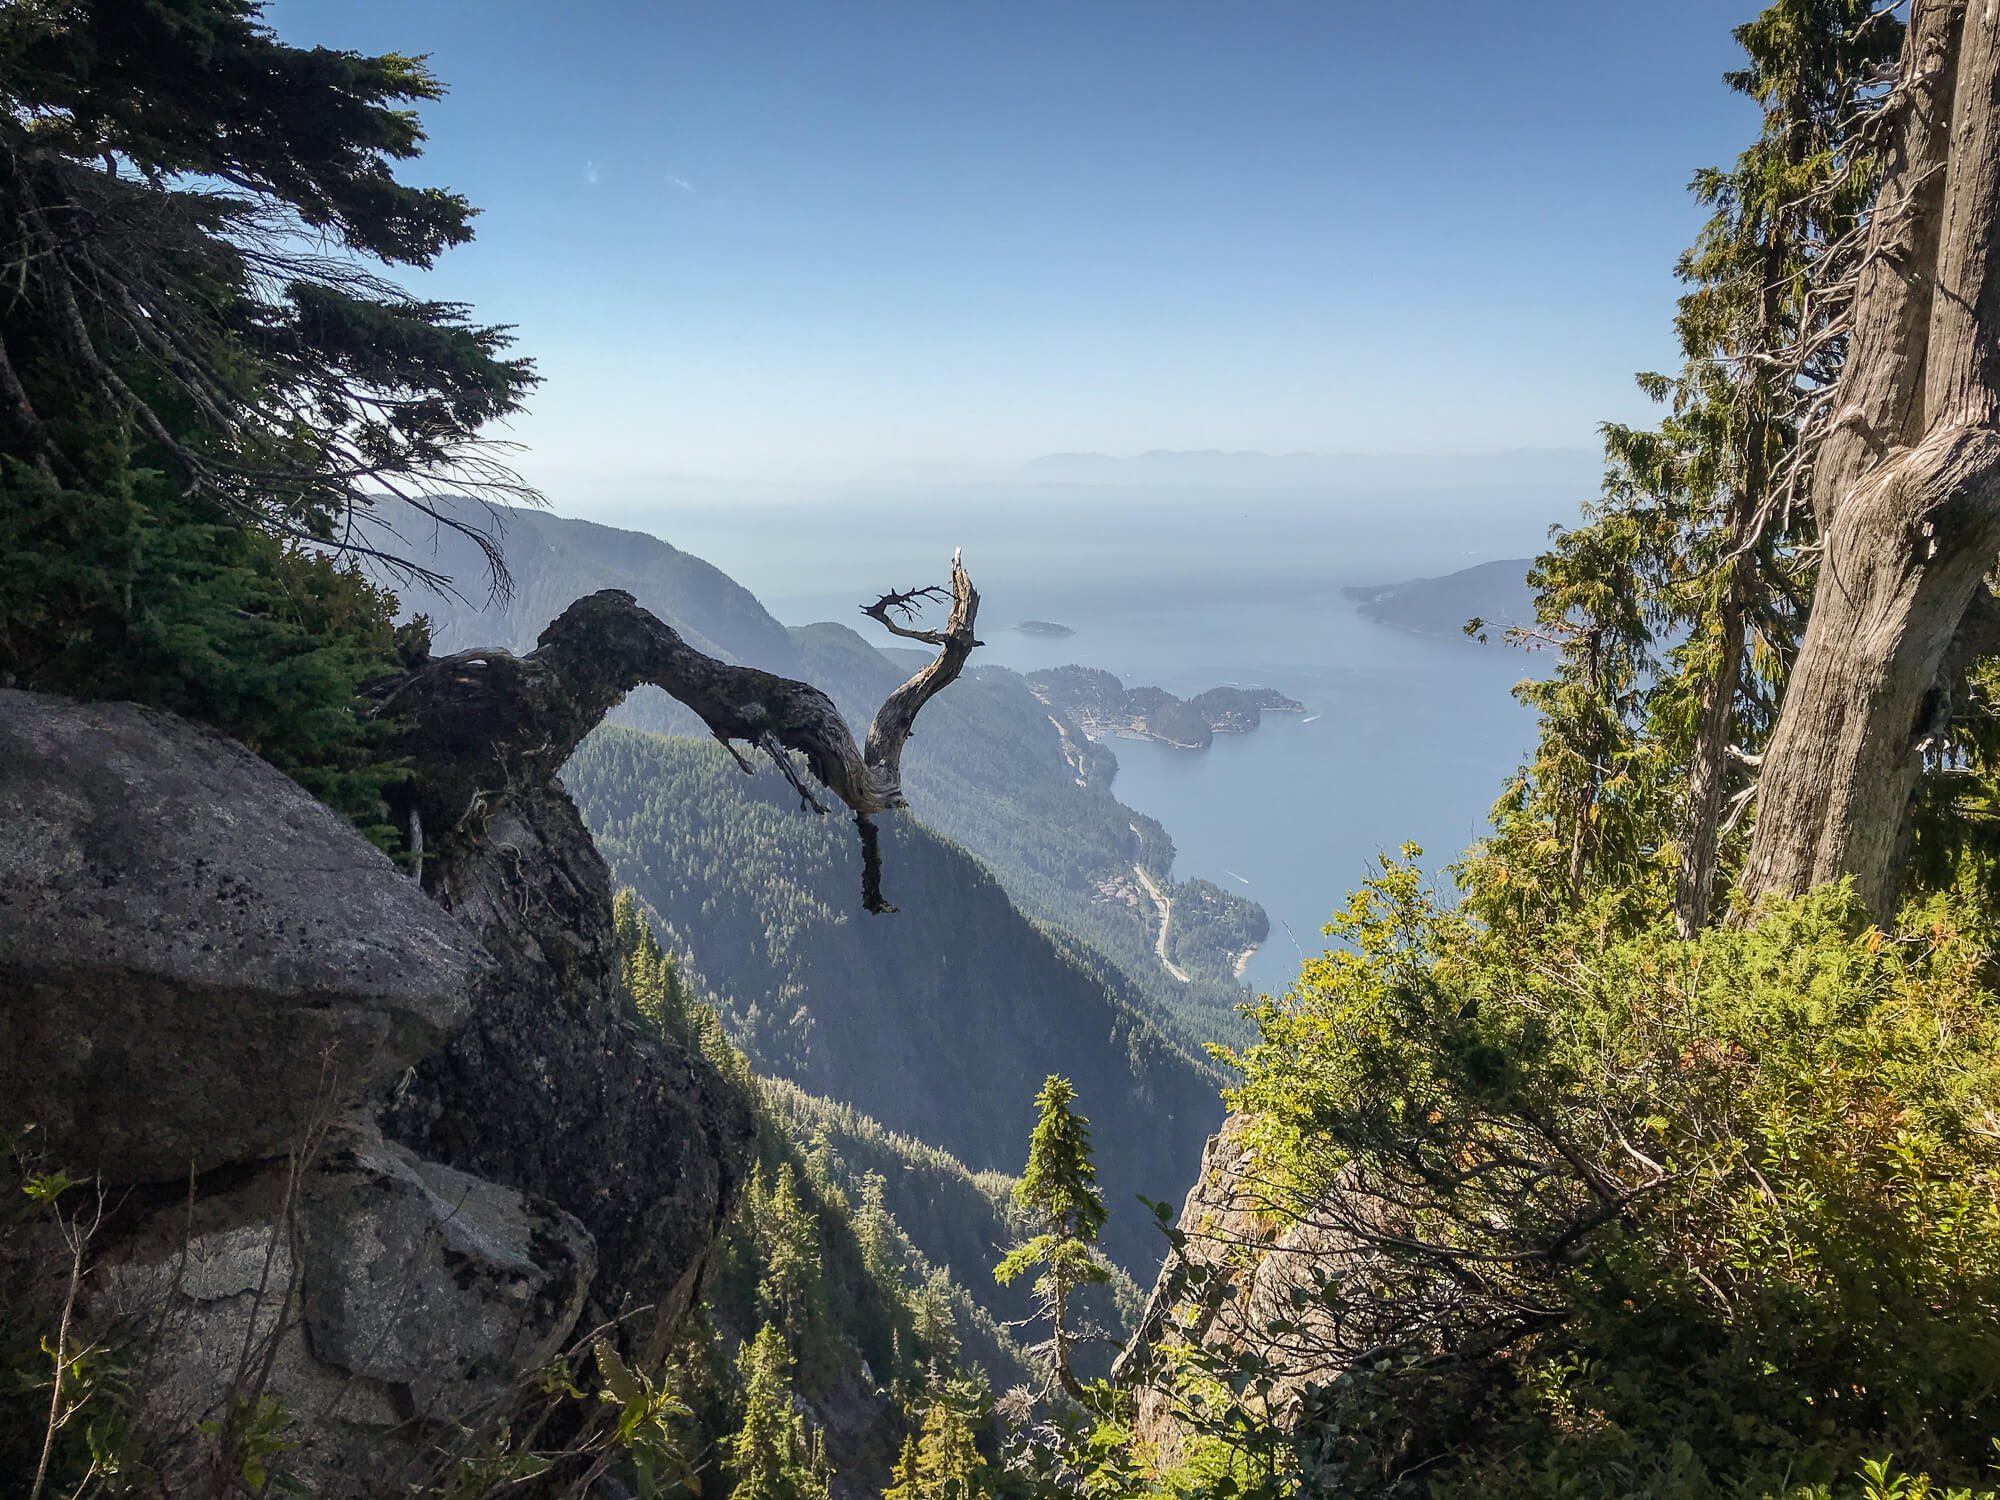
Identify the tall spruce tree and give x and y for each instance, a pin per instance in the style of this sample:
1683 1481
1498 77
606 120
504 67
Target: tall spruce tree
770 1454
942 1460
1059 1188
1701 537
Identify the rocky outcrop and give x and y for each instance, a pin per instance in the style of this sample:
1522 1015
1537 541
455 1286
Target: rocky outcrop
211 991
197 955
549 1087
1241 1267
371 1298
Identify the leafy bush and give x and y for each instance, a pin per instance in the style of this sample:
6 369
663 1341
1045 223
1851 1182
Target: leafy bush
1694 1218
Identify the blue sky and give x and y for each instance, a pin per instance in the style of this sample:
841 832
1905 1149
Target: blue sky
813 241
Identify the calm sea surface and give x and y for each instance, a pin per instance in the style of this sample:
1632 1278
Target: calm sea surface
1411 738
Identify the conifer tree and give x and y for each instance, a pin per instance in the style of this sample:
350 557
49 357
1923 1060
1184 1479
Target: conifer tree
202 367
788 1240
770 1455
906 1479
932 1320
943 1463
875 1229
648 974
1059 1188
1701 533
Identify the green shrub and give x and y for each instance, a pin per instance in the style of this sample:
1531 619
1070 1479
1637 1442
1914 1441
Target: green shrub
1712 1217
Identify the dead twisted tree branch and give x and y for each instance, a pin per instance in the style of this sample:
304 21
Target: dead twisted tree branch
480 722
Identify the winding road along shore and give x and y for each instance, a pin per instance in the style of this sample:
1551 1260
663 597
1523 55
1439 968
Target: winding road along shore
1166 916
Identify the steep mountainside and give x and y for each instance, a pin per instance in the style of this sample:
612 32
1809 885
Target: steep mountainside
993 768
949 1226
553 562
940 1021
1028 792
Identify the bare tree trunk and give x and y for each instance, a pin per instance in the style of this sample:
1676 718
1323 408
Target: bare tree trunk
1908 486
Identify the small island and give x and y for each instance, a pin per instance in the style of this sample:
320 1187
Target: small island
1102 705
1044 627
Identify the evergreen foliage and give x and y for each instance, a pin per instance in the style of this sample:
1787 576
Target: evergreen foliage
203 385
1714 1216
1676 609
771 1455
1589 1195
942 1460
922 1212
647 973
1059 1188
812 1256
923 1023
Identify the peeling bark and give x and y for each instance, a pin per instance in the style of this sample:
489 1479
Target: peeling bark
1907 484
478 722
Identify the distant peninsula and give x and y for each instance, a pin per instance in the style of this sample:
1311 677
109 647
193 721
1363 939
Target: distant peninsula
1043 627
1496 593
1102 705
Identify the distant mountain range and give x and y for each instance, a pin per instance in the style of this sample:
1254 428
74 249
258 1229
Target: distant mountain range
1214 468
1496 593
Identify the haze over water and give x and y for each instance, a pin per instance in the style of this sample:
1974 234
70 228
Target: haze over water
1411 737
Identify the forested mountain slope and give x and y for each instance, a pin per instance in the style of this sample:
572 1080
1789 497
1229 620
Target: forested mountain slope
952 1225
993 769
996 771
940 1021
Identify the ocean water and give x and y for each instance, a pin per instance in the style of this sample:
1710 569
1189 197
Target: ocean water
1406 738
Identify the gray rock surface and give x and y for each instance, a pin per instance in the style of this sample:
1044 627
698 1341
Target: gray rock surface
374 1299
1261 1256
552 1088
195 956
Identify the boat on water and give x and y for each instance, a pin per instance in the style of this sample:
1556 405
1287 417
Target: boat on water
1310 719
1234 876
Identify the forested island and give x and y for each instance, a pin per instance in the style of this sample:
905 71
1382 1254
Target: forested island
1044 627
413 1084
1104 706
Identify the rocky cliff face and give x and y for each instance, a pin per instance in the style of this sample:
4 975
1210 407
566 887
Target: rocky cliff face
1241 1268
214 997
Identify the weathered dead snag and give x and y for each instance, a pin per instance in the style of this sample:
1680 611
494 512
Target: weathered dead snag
478 722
